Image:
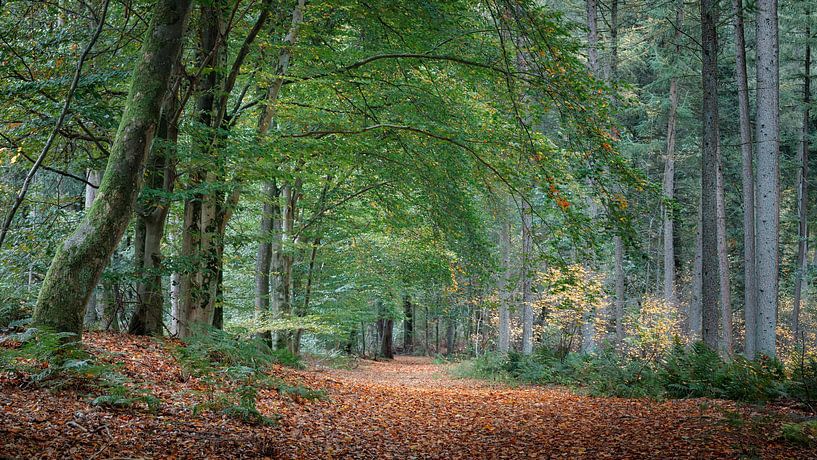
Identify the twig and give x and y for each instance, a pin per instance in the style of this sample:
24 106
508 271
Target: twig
74 83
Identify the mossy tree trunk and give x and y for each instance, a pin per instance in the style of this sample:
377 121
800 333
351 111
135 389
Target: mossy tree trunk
78 264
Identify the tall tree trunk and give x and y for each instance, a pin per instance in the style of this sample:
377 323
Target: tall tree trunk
504 343
94 178
263 259
768 166
748 184
669 169
802 188
310 276
618 243
709 172
527 308
280 285
588 327
79 262
426 331
450 328
695 315
151 216
723 267
200 243
290 196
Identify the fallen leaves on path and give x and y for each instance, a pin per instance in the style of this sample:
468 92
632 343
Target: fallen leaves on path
406 408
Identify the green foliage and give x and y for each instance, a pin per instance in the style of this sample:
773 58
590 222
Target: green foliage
698 371
804 433
121 396
690 372
217 357
214 349
57 362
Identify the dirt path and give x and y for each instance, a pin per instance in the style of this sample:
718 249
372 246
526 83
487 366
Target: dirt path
403 409
412 408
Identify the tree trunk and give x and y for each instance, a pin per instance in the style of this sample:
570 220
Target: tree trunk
749 260
504 344
527 308
723 267
310 275
695 315
94 178
174 303
802 189
79 262
408 325
263 259
768 166
426 331
588 326
290 194
151 216
200 243
450 329
271 249
669 170
709 172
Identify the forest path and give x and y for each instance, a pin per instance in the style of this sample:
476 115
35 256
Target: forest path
407 408
412 408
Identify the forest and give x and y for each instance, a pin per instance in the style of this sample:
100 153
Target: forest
407 229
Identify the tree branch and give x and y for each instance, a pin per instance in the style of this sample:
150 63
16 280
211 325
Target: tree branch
74 83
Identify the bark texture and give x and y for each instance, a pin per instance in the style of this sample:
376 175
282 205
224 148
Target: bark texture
709 172
668 188
748 184
768 180
802 191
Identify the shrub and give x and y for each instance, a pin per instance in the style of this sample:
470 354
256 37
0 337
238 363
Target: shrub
804 433
700 372
216 356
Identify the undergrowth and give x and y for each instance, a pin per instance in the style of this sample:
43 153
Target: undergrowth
684 372
217 357
58 362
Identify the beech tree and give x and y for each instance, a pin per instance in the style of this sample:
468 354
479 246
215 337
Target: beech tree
79 262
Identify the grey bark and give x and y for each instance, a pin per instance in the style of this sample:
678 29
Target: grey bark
709 172
79 262
802 190
694 316
527 308
277 259
669 169
408 325
151 216
619 301
768 166
200 242
748 184
588 327
93 177
504 344
723 267
263 259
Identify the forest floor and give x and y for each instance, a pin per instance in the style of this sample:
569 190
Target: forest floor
406 408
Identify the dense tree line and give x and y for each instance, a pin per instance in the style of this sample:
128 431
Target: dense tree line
439 177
